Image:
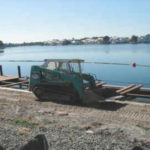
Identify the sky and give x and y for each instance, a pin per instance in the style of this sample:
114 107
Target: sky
42 20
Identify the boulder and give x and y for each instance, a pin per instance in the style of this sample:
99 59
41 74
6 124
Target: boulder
38 143
1 148
137 148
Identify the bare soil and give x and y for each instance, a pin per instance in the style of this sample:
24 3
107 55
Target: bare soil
108 125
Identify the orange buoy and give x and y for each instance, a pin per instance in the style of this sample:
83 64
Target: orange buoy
134 64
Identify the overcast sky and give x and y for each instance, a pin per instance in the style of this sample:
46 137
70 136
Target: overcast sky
40 20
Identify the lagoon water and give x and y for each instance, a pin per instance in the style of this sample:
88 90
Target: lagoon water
113 74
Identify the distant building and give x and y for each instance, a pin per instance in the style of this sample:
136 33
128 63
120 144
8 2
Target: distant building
96 40
89 41
144 39
100 40
54 42
119 40
93 40
76 42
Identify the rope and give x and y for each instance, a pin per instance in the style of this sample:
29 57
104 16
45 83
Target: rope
107 63
121 64
21 60
104 63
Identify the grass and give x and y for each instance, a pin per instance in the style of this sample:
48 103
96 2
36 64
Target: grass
46 121
144 127
24 122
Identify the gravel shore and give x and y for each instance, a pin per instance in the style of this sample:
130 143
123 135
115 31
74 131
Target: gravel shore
110 125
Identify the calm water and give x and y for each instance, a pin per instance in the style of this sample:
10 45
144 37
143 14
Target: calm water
120 75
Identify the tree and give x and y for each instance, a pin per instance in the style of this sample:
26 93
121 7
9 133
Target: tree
134 39
66 42
95 37
106 40
1 44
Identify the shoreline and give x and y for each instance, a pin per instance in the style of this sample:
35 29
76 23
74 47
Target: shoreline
75 45
100 40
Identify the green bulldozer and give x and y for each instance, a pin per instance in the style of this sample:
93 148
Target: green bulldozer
60 79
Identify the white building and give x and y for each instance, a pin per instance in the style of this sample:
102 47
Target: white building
144 39
119 40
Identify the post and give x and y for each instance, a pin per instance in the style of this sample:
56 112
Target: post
1 70
19 75
19 72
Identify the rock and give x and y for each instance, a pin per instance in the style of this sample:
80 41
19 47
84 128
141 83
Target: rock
24 130
60 127
89 132
135 140
38 143
146 142
1 148
45 111
86 127
96 124
137 148
108 147
59 113
42 128
101 131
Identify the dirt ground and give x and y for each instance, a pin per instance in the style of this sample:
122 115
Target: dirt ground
109 125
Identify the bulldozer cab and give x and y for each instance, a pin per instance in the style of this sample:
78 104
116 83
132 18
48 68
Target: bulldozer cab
64 65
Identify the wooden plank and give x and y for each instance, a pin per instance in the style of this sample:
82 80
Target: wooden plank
138 95
6 82
125 88
118 87
6 78
16 83
131 89
99 84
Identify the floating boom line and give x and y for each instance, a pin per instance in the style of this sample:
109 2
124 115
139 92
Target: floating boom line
108 63
87 62
121 64
21 60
